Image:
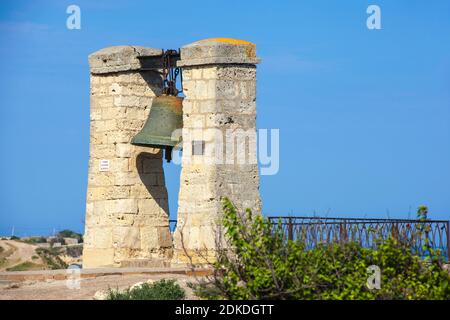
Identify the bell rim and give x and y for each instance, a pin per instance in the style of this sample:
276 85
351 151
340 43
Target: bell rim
161 144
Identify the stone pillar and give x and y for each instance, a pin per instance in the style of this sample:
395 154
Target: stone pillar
219 142
127 208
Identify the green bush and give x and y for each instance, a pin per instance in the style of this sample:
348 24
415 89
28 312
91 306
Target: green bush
75 251
69 234
24 266
160 290
51 258
261 264
34 240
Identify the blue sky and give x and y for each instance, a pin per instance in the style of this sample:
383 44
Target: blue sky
364 115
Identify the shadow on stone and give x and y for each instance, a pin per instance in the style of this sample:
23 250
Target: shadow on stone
150 169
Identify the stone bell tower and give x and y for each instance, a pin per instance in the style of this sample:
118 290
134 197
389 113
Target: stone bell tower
127 214
127 210
219 141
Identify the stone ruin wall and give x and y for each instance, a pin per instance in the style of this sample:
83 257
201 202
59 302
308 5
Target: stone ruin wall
219 80
127 208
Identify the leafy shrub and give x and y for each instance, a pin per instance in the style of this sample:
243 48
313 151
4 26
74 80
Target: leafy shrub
160 290
24 266
51 258
69 234
261 264
74 251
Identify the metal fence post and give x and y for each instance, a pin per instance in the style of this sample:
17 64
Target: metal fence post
448 241
290 229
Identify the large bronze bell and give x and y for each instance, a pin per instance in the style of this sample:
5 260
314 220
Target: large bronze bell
165 113
165 117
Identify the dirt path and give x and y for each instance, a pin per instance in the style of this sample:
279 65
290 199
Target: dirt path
5 256
17 252
7 249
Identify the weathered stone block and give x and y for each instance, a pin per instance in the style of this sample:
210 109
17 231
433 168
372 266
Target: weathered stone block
98 237
108 193
139 191
99 138
240 73
104 125
113 113
124 150
126 237
97 257
126 178
101 102
119 165
164 237
119 137
126 101
149 238
100 179
129 124
104 151
217 51
149 206
119 58
209 72
196 74
116 206
194 121
207 106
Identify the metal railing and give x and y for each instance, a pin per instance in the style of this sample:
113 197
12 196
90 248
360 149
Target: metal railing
366 232
416 233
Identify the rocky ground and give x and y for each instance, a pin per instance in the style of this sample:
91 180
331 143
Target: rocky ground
19 256
91 288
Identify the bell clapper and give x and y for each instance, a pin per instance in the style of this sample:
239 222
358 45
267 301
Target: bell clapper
168 154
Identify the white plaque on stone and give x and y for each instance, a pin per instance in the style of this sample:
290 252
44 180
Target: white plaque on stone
104 165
